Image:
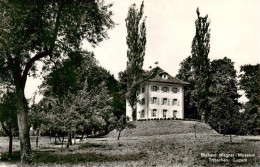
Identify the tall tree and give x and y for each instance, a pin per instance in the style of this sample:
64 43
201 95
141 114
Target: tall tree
136 41
201 63
34 30
224 116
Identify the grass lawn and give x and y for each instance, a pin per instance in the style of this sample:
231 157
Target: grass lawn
152 143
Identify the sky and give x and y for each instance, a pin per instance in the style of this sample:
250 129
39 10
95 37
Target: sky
235 33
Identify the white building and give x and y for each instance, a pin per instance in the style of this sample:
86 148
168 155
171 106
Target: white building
160 96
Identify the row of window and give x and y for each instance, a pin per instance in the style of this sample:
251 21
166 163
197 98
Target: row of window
155 112
164 101
163 89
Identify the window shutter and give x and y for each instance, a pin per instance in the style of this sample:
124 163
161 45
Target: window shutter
178 90
162 101
178 102
168 100
158 100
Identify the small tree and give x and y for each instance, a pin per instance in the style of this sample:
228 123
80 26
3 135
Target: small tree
122 124
8 117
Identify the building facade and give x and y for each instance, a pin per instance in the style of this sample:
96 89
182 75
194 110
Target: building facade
160 96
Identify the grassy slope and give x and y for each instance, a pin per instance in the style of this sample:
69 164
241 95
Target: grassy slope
164 127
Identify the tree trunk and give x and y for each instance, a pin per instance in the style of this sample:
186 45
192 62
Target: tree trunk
59 139
118 137
37 138
195 126
133 113
55 139
70 141
10 152
69 138
62 141
50 137
22 118
219 129
74 138
26 153
82 136
24 129
203 117
10 135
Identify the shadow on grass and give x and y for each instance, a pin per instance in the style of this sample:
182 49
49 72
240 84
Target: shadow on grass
233 143
14 158
90 145
51 157
253 140
86 157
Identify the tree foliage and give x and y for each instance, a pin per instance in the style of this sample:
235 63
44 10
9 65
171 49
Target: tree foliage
89 87
81 111
186 74
46 30
195 69
224 115
136 41
201 63
250 83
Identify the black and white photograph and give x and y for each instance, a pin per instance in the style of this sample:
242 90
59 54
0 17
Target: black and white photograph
123 83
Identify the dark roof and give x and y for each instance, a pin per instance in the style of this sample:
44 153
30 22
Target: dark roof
155 75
